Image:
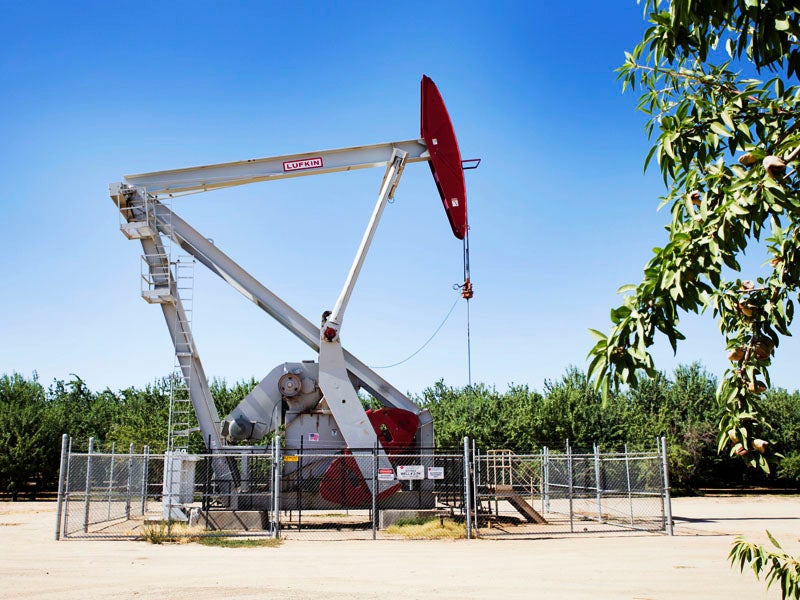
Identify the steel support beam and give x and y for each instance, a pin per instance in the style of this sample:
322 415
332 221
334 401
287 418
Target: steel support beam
211 177
192 242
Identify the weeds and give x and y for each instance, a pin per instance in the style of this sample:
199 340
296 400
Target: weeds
233 542
163 532
428 529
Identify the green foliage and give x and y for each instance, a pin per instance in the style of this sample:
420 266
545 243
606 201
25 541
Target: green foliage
142 417
696 71
25 435
32 421
681 407
789 469
772 566
237 542
156 532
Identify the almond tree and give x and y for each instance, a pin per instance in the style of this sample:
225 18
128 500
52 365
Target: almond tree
717 81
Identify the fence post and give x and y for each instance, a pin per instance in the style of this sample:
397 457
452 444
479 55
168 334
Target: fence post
88 488
62 471
375 491
467 489
245 475
111 479
667 499
598 493
476 481
546 482
569 489
66 488
206 503
130 483
145 477
276 486
628 477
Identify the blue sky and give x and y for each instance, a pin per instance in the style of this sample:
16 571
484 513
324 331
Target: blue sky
561 214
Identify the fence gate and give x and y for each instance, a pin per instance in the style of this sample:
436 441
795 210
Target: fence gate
566 492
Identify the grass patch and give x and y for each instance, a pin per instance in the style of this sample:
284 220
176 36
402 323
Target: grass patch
412 521
428 529
234 542
162 532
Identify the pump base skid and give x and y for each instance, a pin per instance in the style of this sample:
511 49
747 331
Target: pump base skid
235 520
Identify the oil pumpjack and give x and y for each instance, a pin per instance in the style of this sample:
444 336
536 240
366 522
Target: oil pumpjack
314 402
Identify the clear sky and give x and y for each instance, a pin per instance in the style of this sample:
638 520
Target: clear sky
561 213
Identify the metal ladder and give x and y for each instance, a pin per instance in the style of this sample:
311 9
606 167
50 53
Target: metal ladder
164 281
182 421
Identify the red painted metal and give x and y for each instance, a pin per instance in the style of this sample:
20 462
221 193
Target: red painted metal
344 484
437 131
395 427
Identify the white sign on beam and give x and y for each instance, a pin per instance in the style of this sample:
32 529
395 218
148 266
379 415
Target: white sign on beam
410 472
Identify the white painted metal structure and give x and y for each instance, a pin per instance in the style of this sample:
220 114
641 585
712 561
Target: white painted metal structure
314 401
339 373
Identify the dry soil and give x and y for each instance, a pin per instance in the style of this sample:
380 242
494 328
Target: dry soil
691 564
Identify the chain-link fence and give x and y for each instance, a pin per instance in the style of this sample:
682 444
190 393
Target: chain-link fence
359 494
362 494
108 495
566 492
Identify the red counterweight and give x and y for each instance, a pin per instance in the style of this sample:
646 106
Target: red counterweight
343 482
440 137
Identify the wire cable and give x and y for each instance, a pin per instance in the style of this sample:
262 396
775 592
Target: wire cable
449 312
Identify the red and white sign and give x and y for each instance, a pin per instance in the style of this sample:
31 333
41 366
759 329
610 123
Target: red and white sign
302 164
435 472
385 474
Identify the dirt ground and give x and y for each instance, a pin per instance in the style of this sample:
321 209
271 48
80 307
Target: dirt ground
691 564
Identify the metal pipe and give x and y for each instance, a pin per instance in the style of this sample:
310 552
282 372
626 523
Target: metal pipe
628 477
111 479
546 494
145 476
598 493
569 479
475 479
276 487
66 490
88 486
390 180
130 482
667 499
375 491
467 489
62 471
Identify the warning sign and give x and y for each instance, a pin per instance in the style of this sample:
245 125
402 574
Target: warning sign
435 472
291 458
411 472
385 475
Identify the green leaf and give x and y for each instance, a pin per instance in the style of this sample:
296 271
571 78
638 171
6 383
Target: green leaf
599 335
720 129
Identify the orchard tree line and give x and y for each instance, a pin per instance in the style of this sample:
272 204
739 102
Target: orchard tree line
681 407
